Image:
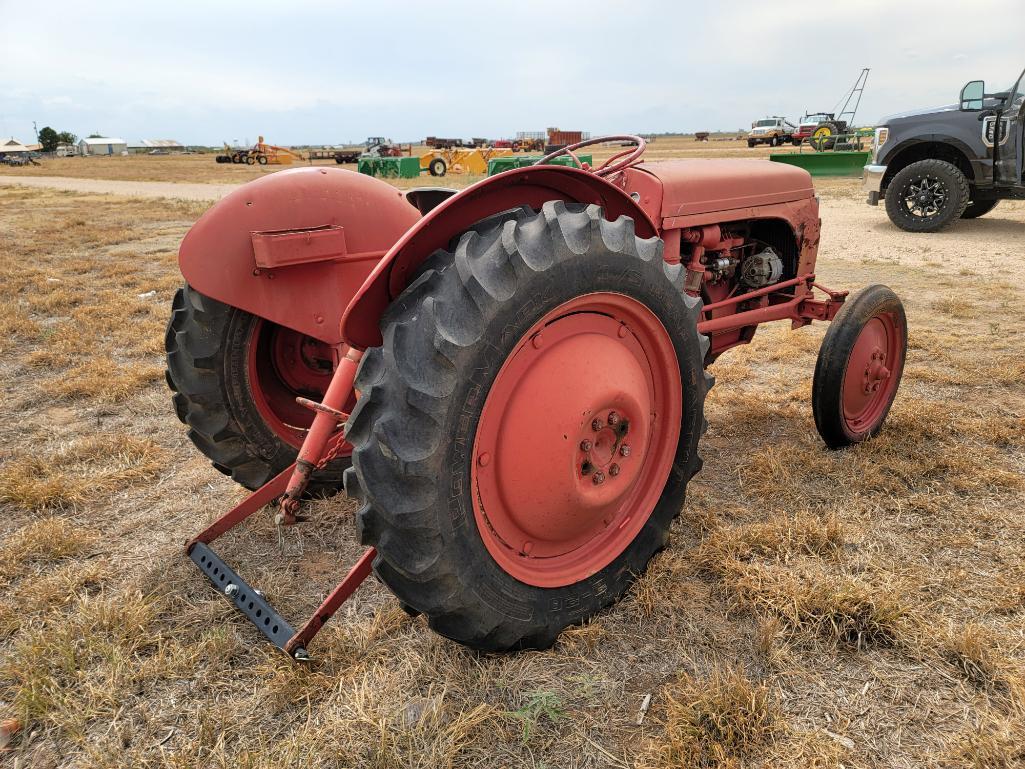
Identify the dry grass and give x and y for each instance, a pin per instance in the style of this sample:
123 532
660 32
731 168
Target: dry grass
860 608
719 720
85 469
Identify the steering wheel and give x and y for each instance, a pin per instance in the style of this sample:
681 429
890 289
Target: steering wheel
613 164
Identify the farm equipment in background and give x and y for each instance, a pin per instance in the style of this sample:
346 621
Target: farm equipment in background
500 165
510 378
234 155
460 161
379 147
260 153
824 130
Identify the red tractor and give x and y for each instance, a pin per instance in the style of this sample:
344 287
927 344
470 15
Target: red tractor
509 378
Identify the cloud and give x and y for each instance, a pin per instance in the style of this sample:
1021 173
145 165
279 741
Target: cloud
315 72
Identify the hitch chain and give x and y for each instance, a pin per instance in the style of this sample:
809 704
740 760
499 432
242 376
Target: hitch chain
288 514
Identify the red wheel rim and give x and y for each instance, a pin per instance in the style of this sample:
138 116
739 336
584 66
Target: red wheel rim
576 440
872 374
283 365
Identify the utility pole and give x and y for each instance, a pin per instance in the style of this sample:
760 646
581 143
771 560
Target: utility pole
36 130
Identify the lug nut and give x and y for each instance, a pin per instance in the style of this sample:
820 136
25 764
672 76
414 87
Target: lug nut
613 469
624 450
585 445
598 478
596 425
613 418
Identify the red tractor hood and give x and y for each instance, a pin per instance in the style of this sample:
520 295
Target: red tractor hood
704 186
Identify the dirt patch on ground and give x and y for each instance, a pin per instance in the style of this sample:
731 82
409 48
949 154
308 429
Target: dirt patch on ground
858 608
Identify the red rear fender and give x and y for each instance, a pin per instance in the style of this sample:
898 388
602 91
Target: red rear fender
531 186
295 246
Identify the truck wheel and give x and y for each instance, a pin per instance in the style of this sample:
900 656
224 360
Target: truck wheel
438 167
773 141
859 367
978 208
235 378
524 437
927 196
751 143
796 142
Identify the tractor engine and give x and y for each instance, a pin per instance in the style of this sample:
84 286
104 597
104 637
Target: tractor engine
720 261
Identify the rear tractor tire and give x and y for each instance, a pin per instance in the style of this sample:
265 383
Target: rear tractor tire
235 378
524 436
859 367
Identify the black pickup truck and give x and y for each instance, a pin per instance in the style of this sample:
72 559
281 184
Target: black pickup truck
934 167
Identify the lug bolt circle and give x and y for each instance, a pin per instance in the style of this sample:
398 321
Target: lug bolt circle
613 469
585 445
598 478
613 418
596 425
624 450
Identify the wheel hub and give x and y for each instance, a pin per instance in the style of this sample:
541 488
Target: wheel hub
868 383
576 439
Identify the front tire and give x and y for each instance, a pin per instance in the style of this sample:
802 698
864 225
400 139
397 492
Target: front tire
438 167
927 196
859 367
239 408
447 457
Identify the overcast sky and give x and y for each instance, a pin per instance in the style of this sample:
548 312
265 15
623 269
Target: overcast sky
305 72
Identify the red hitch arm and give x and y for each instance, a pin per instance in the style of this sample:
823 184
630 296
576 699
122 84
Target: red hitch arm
319 446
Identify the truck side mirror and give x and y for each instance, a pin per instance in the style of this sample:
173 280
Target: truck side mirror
972 95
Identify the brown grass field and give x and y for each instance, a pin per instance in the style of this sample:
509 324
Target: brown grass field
861 608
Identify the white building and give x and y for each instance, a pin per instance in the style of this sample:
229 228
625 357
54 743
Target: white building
103 146
13 147
160 145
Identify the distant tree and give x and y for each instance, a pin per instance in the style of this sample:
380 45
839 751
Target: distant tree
48 138
66 137
94 135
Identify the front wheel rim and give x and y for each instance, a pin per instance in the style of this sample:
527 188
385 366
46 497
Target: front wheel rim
872 374
576 440
924 197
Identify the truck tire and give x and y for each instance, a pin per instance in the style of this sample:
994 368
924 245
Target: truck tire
927 196
751 143
773 141
463 354
978 208
438 167
209 346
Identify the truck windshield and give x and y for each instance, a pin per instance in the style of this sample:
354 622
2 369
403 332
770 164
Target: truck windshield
765 123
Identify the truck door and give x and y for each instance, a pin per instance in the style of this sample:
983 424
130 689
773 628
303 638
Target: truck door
1009 136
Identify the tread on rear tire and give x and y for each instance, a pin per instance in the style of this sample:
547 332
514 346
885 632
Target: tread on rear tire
422 393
